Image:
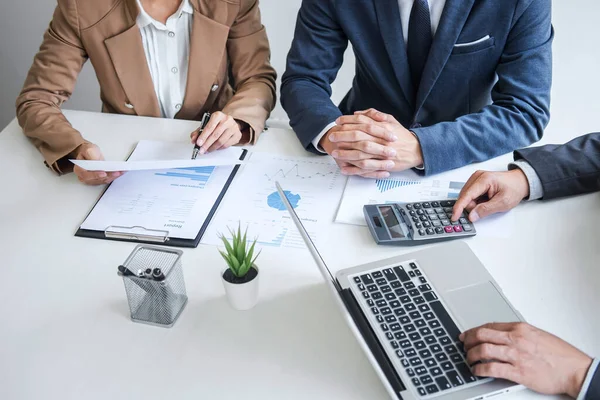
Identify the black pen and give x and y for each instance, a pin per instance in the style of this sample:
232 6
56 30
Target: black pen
125 271
203 123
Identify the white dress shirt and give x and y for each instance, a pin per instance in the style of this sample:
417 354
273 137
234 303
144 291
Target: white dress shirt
436 8
167 48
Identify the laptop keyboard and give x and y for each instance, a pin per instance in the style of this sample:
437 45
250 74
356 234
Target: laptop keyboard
420 332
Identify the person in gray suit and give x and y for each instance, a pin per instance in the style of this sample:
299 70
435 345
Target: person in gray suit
546 172
520 352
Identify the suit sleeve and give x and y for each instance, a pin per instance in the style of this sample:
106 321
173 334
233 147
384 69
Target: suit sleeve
253 76
316 55
593 390
569 169
48 85
520 105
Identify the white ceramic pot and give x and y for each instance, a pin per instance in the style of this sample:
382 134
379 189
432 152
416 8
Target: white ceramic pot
242 296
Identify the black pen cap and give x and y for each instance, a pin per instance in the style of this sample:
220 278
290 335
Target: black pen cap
157 274
122 269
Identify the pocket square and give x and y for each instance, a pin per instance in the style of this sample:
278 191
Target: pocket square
483 39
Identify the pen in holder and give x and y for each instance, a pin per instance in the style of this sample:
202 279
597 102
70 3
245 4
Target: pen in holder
153 278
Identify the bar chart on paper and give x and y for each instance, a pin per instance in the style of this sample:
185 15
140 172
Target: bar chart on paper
176 200
313 185
193 177
383 185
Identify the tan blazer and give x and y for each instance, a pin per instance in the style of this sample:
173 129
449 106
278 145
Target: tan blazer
227 37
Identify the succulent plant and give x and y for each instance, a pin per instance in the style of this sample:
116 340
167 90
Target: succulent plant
237 254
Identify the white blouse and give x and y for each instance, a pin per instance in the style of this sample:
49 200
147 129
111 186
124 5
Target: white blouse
167 48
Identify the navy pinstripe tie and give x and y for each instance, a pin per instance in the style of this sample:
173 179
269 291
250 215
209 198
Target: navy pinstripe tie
419 40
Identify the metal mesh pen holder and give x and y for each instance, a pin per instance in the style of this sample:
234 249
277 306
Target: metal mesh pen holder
157 298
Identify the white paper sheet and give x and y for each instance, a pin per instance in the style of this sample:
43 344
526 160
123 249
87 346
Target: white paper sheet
175 200
408 186
154 155
314 186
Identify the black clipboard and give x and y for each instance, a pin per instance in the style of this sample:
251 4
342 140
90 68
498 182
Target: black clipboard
139 234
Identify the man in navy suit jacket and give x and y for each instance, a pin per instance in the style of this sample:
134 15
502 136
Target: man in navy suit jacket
482 90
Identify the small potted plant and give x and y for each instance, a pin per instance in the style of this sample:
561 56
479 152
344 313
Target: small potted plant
241 276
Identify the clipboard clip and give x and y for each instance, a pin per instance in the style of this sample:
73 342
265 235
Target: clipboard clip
136 233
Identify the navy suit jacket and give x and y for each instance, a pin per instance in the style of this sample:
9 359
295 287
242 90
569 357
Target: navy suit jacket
566 170
475 102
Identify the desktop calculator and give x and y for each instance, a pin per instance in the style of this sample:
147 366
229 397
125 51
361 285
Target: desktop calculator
416 223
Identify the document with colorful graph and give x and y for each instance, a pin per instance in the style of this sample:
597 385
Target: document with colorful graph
173 203
406 186
313 184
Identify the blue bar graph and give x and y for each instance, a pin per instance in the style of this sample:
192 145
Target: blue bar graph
383 185
198 175
277 242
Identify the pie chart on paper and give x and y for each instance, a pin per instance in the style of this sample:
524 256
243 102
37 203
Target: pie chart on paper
274 200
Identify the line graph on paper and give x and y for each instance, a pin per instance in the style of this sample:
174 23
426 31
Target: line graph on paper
309 171
295 173
313 185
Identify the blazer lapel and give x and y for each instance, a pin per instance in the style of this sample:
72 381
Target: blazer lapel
388 16
127 54
453 19
207 46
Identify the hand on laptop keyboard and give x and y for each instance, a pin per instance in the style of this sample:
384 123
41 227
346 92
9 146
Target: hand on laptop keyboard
526 355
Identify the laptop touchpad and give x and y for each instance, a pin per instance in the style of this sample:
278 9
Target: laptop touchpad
479 304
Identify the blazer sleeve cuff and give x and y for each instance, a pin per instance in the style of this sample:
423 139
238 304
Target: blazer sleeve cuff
58 162
439 150
591 385
315 141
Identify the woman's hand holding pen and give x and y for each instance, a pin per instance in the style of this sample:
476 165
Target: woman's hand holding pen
90 151
221 132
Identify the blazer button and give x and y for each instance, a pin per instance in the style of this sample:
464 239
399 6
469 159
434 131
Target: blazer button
214 88
128 105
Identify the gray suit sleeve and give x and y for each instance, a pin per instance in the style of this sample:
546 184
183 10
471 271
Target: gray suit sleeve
566 170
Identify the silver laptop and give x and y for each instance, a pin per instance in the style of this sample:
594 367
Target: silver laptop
407 312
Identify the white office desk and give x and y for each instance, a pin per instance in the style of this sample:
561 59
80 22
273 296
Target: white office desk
65 331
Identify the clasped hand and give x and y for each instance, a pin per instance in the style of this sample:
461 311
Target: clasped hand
372 144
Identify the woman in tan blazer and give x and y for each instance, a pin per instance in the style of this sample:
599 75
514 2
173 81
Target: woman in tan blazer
140 50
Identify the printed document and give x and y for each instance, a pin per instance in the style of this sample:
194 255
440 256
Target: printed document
408 186
177 200
313 184
152 155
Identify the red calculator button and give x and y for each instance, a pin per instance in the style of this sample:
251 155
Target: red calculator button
458 228
448 229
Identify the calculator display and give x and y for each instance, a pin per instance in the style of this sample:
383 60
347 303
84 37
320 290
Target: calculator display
387 212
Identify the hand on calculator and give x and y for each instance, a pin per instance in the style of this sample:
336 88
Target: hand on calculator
504 191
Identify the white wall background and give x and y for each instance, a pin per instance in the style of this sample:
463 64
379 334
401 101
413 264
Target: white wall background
576 57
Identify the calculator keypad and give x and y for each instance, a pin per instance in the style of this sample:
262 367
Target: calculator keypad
434 219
